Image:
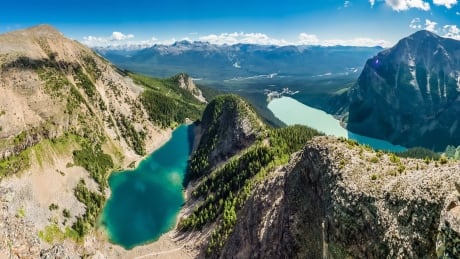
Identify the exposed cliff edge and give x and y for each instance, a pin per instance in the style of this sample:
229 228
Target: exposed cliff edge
409 94
338 200
228 125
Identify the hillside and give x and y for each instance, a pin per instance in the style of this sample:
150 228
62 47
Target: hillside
67 119
236 151
337 199
409 94
290 194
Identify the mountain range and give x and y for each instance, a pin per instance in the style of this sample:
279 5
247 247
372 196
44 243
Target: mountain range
69 118
218 63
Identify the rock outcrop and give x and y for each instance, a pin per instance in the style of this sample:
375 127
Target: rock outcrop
228 126
409 94
339 200
186 82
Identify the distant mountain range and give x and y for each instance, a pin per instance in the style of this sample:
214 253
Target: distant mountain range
225 63
409 94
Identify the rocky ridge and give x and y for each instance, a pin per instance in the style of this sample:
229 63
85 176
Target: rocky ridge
228 125
336 200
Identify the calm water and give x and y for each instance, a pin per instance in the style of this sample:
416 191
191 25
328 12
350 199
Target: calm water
144 202
291 111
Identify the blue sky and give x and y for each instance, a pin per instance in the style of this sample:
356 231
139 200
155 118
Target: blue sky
316 22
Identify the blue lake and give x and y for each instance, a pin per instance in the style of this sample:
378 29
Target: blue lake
291 111
144 202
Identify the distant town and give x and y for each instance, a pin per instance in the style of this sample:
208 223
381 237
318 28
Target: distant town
275 94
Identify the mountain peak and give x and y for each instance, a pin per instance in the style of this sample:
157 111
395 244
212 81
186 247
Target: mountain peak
43 30
424 34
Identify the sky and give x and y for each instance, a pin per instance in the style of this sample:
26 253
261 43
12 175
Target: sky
279 22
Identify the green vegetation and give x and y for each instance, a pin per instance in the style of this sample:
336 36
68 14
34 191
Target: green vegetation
83 81
93 202
166 103
91 67
55 81
226 189
95 161
14 164
52 233
74 99
209 93
135 139
53 206
66 213
21 213
420 153
217 118
374 159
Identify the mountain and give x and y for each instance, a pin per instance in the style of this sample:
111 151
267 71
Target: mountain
293 194
228 126
216 63
409 94
68 118
336 199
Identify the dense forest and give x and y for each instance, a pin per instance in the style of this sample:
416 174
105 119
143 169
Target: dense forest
166 103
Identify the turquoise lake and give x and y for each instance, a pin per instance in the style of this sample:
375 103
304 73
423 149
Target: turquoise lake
291 111
144 202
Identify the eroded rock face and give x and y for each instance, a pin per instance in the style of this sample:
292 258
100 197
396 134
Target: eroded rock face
448 242
186 82
228 126
332 202
409 94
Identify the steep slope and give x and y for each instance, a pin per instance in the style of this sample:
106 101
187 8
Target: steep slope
228 126
337 199
67 118
235 152
409 94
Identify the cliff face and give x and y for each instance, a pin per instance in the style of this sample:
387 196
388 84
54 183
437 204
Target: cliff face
339 200
228 126
186 82
409 94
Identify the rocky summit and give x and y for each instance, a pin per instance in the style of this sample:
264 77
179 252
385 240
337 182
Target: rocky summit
409 94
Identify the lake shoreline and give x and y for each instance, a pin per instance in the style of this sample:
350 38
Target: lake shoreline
320 120
166 239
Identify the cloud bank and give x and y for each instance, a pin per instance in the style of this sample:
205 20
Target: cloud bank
447 3
403 5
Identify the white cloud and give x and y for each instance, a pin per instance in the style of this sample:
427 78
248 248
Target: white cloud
241 37
346 4
451 31
415 24
372 2
457 13
430 25
308 39
104 41
118 36
362 42
447 3
118 39
402 5
302 39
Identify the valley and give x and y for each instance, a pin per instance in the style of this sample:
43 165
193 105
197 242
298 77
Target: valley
103 160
